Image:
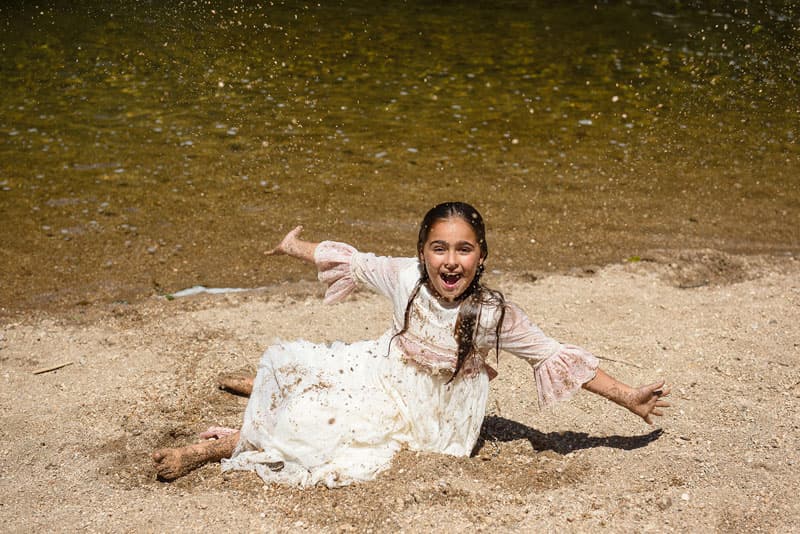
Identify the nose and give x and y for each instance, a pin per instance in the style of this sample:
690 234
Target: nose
450 260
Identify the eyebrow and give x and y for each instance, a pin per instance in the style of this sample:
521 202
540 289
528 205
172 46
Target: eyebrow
458 243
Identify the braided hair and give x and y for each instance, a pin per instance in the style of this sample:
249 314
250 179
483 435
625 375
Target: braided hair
474 297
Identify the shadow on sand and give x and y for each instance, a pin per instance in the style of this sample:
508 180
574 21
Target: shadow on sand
496 429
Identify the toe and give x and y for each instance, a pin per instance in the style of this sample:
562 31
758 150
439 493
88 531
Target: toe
158 455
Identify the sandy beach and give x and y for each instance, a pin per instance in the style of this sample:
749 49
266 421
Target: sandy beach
723 330
636 164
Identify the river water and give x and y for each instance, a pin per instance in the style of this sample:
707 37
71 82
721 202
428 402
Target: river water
146 147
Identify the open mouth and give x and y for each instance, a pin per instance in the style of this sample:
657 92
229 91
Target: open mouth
450 280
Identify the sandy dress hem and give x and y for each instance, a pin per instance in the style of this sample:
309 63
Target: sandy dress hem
336 414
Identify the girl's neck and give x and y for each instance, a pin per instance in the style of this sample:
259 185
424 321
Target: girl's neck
443 302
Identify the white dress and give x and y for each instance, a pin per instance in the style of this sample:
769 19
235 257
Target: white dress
336 414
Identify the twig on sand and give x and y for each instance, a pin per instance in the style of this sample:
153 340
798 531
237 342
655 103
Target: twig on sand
620 361
51 368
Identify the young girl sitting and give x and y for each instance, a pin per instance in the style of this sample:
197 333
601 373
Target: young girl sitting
335 414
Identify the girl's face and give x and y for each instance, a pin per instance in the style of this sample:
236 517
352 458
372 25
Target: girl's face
451 256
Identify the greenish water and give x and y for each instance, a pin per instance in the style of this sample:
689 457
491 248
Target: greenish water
147 147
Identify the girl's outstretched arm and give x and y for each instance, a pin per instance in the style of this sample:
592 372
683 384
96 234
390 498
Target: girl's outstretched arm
644 401
293 246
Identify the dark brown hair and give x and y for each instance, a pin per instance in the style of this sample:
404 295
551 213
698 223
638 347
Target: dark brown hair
474 297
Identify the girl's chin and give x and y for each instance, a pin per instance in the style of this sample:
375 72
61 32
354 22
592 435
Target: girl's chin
450 294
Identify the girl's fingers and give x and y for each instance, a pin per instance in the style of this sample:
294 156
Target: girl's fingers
281 248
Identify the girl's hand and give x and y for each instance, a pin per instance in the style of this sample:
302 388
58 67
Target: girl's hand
288 245
293 246
646 401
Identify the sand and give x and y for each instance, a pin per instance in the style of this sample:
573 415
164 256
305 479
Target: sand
723 330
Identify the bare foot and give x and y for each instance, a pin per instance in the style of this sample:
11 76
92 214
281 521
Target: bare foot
174 463
236 383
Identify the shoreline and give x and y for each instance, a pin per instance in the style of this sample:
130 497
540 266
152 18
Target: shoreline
693 267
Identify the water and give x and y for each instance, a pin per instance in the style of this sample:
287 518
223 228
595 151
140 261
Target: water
148 148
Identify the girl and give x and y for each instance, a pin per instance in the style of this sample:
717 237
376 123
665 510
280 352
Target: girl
336 414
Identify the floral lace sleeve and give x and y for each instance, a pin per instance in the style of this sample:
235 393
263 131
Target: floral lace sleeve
342 267
333 263
560 370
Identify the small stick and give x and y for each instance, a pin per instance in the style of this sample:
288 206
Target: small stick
619 361
51 368
778 363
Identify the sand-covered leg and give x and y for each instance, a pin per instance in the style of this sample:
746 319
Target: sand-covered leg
237 383
174 463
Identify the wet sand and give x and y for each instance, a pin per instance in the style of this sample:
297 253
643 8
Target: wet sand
67 250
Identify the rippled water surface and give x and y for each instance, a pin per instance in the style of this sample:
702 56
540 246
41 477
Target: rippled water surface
146 147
